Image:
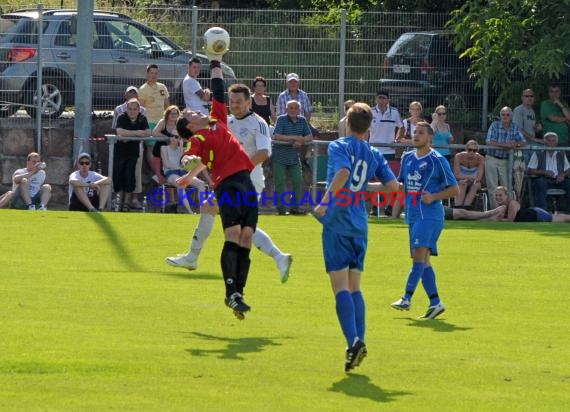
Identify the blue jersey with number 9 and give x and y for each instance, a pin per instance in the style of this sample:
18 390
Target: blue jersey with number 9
347 214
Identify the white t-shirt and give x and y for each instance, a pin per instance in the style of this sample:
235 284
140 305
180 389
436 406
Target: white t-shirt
91 177
192 101
383 127
253 134
35 181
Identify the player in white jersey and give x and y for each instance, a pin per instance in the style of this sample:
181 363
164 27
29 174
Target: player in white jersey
253 133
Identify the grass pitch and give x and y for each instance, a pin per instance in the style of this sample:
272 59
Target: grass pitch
94 320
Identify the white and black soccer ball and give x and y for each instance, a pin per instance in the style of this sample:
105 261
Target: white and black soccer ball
216 41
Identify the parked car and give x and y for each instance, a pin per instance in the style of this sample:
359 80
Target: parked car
122 48
424 66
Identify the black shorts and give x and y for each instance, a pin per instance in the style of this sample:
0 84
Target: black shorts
237 200
76 205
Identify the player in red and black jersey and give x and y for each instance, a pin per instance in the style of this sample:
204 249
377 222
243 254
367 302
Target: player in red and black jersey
211 145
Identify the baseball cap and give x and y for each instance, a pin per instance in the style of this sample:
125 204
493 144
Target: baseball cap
132 88
382 93
550 134
83 156
292 76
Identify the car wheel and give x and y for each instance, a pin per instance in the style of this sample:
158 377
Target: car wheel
52 103
7 110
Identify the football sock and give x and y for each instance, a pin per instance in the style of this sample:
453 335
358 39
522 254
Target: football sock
359 313
203 230
428 282
230 264
345 314
263 242
243 268
413 279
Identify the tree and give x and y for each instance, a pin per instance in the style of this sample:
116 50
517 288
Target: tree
513 39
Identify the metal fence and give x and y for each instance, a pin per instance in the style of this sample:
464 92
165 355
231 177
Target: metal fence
335 58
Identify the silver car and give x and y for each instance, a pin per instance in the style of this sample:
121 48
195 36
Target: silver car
122 48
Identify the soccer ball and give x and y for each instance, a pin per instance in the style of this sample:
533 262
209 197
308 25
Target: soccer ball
216 41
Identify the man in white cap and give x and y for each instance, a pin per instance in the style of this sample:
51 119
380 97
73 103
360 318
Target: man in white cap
88 190
552 171
294 93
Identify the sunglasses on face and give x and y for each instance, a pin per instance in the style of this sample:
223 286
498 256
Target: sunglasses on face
442 113
528 95
84 163
472 150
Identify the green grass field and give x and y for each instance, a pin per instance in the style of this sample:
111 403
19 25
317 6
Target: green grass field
94 320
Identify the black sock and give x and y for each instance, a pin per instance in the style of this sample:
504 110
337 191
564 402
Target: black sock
243 268
230 265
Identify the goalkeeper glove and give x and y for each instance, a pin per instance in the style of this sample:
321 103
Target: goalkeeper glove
190 163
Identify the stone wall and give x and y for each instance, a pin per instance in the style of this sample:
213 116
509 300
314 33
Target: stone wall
17 139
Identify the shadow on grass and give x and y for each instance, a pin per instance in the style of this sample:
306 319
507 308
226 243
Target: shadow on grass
438 325
359 386
546 229
193 275
116 242
235 346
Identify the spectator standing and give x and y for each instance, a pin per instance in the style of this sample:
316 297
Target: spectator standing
468 168
552 171
424 171
195 98
406 132
441 132
28 187
386 124
342 122
525 118
345 228
154 97
129 124
555 115
261 103
503 135
293 129
88 190
293 92
132 93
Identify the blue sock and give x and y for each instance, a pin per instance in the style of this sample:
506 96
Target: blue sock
345 313
428 281
413 279
359 314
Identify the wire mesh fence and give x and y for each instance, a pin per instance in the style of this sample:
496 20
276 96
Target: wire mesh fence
408 54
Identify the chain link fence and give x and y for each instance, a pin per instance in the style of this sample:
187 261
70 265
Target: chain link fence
410 54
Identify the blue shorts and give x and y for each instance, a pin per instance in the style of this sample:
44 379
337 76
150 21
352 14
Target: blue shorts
341 252
425 233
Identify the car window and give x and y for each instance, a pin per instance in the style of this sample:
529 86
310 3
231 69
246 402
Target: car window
64 38
411 45
127 36
22 30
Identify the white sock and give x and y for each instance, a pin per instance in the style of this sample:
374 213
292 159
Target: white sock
201 233
263 242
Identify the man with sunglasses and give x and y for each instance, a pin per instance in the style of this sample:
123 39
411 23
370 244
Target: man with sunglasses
88 190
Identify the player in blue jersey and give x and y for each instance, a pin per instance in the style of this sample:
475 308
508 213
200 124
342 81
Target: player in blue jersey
428 173
352 163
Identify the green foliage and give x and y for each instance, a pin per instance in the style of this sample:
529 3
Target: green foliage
510 40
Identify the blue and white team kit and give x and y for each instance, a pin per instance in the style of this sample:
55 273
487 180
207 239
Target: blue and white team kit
429 173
